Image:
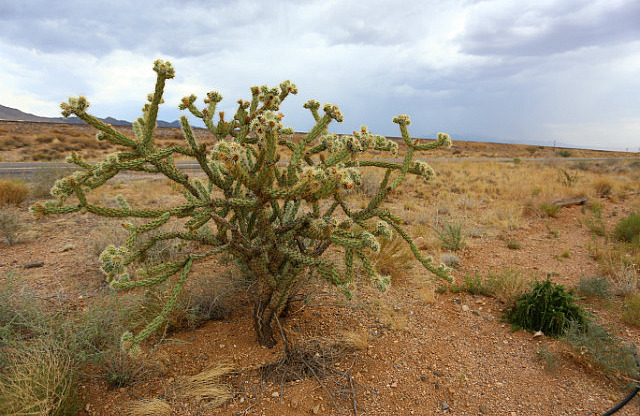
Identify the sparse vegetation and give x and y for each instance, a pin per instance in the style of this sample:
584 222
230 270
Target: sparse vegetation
505 286
498 203
547 358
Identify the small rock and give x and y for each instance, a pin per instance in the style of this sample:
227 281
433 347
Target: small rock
475 312
275 394
316 409
445 406
423 378
67 247
465 308
457 300
394 385
538 334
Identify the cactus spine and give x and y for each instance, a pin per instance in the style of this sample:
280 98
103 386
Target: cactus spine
264 211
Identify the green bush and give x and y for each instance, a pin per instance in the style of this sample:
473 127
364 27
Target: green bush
547 307
628 229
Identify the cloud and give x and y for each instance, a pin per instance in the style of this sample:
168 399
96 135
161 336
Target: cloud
507 28
500 69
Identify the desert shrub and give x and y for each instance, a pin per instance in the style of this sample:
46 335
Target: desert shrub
21 315
628 229
595 286
276 221
450 259
564 153
631 310
12 191
547 307
452 236
10 225
606 351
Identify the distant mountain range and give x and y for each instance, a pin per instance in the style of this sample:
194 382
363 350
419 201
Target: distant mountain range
13 114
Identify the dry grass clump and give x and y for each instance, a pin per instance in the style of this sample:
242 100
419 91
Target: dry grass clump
12 191
40 381
152 407
394 257
603 187
352 341
208 385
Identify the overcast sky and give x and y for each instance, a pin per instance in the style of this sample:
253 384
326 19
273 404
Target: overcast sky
503 70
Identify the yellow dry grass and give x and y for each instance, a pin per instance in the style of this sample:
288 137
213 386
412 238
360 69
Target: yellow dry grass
12 192
208 385
152 407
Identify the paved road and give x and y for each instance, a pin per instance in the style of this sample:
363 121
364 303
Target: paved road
26 170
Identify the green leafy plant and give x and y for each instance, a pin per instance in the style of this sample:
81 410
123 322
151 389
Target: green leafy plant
547 307
564 153
276 217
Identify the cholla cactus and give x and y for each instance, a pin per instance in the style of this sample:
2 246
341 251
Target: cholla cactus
264 211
